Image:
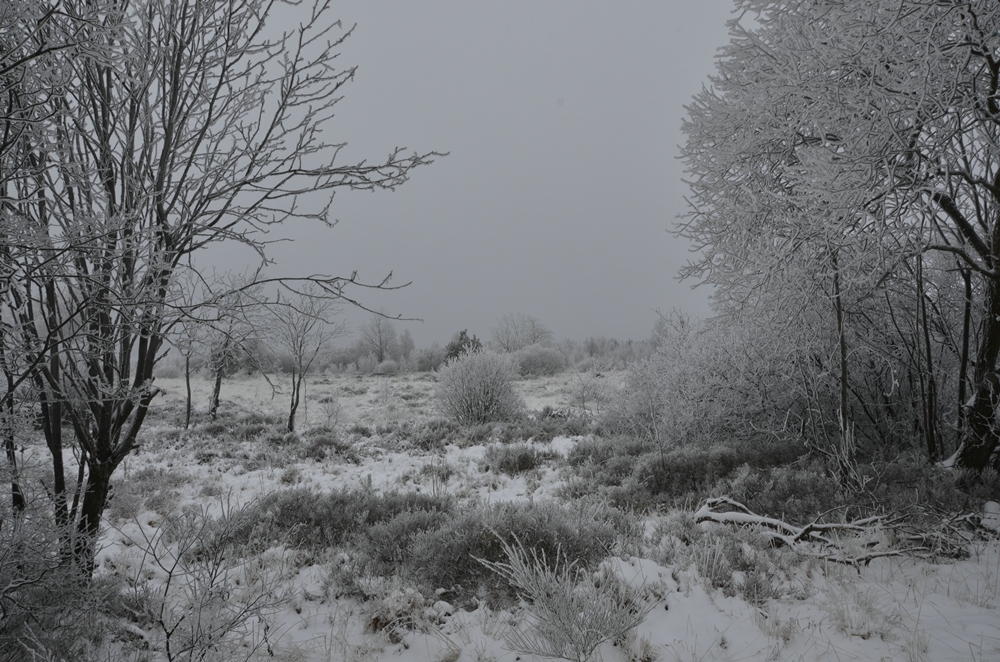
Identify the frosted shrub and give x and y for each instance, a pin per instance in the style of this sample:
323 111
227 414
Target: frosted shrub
666 396
388 367
570 614
478 387
538 361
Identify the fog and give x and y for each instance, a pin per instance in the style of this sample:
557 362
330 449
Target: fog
562 184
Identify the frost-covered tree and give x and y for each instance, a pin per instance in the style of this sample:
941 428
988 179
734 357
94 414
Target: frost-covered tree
379 336
513 332
405 346
301 325
848 152
171 126
461 343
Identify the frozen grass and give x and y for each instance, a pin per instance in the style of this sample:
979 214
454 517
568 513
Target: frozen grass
363 532
570 612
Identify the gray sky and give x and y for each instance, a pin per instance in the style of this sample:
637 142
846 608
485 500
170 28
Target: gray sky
562 119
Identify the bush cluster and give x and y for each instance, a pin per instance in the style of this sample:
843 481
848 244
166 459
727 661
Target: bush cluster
321 443
634 472
319 521
446 557
512 459
435 433
426 541
388 367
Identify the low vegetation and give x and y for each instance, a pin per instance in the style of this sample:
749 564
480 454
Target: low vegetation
417 518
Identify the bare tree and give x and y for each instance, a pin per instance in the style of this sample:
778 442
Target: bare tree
36 37
378 336
230 325
513 332
181 124
301 326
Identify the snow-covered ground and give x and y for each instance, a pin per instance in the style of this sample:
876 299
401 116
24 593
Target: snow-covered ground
895 608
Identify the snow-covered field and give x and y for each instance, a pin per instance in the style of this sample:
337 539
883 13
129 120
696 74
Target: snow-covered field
895 608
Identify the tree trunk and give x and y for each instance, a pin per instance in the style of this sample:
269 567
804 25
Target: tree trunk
842 346
187 383
928 386
52 429
91 511
220 366
16 496
982 436
963 368
296 389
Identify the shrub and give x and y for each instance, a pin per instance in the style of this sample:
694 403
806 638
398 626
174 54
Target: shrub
793 494
435 433
687 469
389 367
538 361
513 459
478 387
571 613
194 589
595 452
360 430
322 444
45 611
320 521
446 557
388 543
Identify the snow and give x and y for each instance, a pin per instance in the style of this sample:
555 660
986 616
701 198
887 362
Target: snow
898 608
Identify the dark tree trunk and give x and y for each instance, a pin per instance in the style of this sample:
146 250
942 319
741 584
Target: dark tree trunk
10 446
296 390
981 439
91 511
16 496
213 408
928 386
187 383
220 366
963 368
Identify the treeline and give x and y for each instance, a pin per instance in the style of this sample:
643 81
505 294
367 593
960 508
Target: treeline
379 347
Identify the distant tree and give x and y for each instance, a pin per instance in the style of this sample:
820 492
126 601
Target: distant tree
379 337
430 358
460 344
301 326
189 335
230 327
599 346
513 332
405 346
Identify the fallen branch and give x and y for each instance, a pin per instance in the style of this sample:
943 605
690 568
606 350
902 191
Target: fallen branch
811 539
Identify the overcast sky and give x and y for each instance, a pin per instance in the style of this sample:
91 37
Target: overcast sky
562 119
